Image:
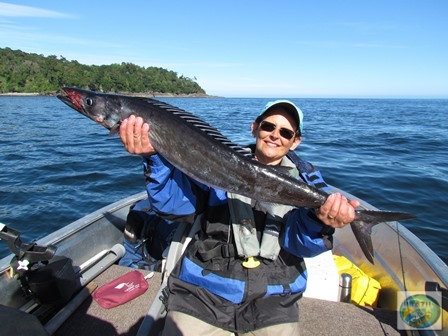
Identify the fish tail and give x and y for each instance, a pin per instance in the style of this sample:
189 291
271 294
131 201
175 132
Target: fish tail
366 220
363 235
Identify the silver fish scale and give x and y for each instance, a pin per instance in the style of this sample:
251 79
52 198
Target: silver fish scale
203 126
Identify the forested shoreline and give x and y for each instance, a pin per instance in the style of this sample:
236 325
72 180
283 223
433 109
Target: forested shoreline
27 73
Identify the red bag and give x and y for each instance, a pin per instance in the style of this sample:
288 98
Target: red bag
121 290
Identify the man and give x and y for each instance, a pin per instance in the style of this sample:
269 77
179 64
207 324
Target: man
244 271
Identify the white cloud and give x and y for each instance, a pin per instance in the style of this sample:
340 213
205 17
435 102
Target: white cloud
11 10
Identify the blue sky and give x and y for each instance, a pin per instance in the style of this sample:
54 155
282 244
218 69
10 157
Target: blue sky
252 48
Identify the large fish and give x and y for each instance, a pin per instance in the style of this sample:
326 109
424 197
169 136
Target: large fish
204 154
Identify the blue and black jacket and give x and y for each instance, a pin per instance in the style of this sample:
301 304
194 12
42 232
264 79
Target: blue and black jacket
210 273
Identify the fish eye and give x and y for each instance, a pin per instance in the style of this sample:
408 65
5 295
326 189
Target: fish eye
89 101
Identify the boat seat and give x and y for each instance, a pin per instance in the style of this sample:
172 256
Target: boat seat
321 317
16 322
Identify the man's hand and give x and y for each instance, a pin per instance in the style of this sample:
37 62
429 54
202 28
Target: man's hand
135 136
337 211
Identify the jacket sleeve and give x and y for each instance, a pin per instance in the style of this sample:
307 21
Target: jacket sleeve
304 235
170 192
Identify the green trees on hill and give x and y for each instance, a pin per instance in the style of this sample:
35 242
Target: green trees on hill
24 72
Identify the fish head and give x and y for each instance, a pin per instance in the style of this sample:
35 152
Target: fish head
93 105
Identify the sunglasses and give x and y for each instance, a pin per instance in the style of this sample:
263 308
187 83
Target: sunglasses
270 127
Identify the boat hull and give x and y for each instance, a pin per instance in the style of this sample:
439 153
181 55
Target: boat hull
402 261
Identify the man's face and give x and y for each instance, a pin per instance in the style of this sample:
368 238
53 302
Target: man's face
272 146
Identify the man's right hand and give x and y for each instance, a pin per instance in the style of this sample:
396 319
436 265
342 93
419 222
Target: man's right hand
135 136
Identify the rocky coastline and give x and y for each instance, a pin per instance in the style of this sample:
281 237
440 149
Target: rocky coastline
132 94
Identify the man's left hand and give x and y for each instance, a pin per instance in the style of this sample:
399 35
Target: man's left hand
337 211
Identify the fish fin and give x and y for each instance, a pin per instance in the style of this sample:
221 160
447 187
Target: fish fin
366 219
202 125
377 216
115 129
363 234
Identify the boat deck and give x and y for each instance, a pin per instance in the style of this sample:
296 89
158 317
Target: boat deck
317 317
91 319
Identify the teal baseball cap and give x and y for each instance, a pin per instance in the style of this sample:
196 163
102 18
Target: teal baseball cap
289 106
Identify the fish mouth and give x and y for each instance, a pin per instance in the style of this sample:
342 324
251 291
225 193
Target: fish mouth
64 98
71 98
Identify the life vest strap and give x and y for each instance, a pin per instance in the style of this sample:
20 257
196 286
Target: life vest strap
220 251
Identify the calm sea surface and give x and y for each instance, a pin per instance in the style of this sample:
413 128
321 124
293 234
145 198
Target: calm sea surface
57 166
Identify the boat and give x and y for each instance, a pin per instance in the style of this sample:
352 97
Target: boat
93 245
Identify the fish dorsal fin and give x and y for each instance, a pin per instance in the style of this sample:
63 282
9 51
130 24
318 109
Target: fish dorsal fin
201 125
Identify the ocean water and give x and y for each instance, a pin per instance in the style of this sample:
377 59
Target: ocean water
57 166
